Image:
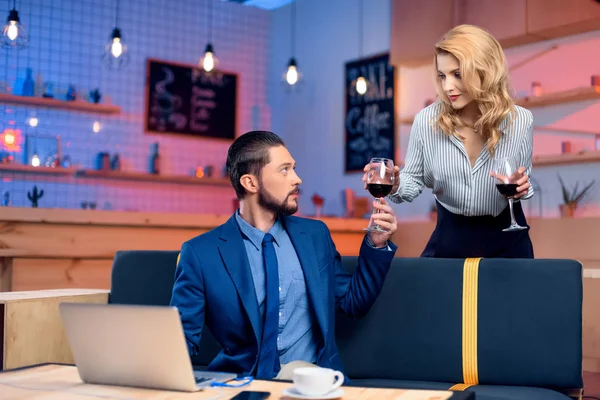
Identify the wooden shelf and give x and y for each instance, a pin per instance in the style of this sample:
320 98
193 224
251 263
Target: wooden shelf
566 131
76 105
569 96
137 176
118 175
562 159
36 170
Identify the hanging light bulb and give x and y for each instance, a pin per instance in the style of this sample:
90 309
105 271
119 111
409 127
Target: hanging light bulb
12 31
292 76
35 160
33 122
361 85
115 51
14 35
209 61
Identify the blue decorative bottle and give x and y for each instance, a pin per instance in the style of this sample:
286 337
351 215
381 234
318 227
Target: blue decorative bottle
154 161
29 84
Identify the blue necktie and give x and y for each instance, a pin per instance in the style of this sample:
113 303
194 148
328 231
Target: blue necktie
268 362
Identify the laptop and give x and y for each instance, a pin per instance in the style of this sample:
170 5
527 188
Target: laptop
131 345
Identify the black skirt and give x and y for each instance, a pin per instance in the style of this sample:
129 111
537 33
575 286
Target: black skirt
457 236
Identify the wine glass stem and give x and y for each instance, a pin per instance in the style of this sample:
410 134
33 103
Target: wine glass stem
376 211
512 214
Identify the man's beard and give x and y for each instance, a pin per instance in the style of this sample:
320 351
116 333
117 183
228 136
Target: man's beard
270 203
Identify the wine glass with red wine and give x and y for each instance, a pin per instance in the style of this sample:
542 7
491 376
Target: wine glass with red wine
380 180
505 169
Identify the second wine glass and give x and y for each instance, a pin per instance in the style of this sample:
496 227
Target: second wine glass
505 170
380 180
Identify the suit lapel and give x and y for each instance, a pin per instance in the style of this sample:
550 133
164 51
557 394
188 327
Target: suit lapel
236 262
305 249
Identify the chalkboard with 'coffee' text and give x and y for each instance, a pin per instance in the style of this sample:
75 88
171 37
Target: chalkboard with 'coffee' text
183 99
369 122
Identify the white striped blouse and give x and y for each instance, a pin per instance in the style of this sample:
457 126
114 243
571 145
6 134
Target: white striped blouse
440 162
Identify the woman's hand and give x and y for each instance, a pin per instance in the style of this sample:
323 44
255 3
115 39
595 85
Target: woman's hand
520 178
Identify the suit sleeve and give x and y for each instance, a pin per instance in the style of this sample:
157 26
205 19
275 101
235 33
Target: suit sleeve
356 292
188 297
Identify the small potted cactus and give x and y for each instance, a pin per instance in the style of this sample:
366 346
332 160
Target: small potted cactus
34 196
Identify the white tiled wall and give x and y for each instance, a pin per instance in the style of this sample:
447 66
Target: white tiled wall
67 38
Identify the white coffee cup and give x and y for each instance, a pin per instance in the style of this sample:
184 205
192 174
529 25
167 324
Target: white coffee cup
316 381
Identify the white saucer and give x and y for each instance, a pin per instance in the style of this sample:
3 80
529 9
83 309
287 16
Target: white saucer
334 394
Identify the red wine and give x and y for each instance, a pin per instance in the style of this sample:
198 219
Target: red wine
507 189
379 190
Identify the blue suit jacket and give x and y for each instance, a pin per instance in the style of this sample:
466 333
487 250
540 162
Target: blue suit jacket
214 287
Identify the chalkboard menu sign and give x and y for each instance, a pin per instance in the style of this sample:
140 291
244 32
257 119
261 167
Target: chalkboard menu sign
183 99
369 121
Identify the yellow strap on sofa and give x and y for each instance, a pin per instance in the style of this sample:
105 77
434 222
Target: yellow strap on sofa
178 255
459 387
469 321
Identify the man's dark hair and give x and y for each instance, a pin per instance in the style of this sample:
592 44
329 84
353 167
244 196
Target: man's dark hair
248 154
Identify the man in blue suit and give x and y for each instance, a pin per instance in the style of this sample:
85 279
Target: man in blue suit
267 284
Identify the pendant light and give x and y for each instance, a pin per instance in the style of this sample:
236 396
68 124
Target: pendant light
116 55
14 35
292 76
209 61
360 84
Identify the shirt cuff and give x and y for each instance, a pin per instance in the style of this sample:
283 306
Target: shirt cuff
386 248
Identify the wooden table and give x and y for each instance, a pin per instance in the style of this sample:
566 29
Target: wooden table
62 382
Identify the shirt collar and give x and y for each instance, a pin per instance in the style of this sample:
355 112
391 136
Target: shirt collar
255 235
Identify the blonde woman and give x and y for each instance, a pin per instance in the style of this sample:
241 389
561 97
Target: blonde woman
453 143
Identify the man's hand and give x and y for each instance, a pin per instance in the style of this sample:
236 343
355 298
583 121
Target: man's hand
386 219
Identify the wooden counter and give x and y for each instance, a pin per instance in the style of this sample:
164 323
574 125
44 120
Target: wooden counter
61 248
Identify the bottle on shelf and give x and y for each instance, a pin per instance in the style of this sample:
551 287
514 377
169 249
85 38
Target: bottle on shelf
29 84
154 159
38 90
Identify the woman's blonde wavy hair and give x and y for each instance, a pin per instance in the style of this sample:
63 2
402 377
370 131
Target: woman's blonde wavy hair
484 73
